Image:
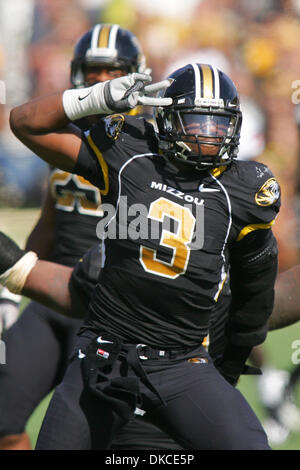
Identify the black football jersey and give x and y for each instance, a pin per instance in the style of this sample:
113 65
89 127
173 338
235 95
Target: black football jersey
77 212
167 232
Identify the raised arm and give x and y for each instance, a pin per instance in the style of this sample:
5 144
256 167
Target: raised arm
43 124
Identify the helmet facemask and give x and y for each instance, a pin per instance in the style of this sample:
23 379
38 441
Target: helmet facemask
200 138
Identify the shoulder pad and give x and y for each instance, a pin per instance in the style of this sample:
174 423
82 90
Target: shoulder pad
268 193
255 197
260 179
138 127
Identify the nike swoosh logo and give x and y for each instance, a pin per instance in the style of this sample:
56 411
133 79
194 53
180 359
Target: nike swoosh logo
80 354
100 340
202 189
80 98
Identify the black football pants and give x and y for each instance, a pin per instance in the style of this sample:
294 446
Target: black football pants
201 410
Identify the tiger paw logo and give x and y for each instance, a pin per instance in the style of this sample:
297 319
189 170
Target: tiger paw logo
113 125
268 193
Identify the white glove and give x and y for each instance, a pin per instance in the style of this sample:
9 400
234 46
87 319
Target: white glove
118 95
127 92
9 309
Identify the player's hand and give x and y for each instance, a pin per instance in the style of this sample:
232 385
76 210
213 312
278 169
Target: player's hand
229 371
117 95
9 309
125 93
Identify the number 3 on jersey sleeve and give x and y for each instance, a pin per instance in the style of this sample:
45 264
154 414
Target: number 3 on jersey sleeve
178 241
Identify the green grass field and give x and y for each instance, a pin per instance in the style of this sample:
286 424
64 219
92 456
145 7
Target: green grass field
278 346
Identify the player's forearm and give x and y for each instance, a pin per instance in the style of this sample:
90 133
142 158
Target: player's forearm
39 116
43 124
252 280
54 112
23 273
42 238
287 299
44 128
252 305
41 242
47 283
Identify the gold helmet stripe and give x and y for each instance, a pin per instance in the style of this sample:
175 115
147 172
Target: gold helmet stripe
104 36
107 36
103 40
207 82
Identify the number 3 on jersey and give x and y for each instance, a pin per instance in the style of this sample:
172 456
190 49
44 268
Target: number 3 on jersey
178 241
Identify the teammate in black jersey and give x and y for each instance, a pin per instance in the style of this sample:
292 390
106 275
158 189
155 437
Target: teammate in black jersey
39 343
140 345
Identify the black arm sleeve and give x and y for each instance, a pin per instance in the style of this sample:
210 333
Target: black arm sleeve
253 270
85 276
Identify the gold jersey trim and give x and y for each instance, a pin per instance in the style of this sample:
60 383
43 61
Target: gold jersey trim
103 165
252 227
216 172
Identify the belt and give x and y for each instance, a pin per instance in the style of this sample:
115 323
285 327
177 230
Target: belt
147 352
133 357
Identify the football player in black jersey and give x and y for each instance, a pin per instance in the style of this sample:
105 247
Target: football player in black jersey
39 343
140 346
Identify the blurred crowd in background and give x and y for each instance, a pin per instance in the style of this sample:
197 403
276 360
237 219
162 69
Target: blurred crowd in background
255 42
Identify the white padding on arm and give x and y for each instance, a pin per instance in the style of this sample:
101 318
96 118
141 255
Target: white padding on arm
15 277
85 102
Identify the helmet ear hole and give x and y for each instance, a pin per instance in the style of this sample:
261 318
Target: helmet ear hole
202 126
77 75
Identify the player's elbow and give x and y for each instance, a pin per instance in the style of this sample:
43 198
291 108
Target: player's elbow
16 121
